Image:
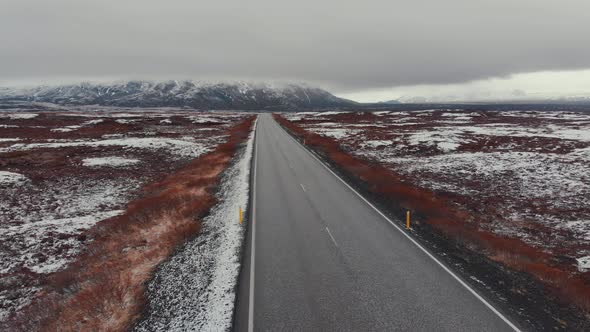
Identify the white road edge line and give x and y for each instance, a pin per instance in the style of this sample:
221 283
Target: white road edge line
302 187
253 243
333 240
472 291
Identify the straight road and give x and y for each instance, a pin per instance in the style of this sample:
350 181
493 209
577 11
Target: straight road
320 258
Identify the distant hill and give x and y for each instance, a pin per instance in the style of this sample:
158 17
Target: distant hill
235 96
389 102
515 97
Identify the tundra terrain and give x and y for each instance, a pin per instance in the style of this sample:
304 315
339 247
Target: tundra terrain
93 201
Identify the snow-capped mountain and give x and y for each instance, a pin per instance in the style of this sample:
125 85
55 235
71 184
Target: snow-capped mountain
239 95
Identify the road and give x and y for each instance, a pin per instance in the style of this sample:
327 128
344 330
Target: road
320 258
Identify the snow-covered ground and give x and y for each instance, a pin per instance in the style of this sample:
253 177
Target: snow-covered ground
56 184
180 147
10 178
526 174
195 289
583 263
18 115
109 161
28 236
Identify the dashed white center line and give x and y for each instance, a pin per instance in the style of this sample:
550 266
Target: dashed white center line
331 237
302 187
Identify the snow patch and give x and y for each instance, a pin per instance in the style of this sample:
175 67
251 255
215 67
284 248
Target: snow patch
31 232
177 147
76 127
297 116
109 161
11 178
125 121
336 133
447 146
65 129
445 139
205 119
583 264
377 143
126 115
19 116
329 113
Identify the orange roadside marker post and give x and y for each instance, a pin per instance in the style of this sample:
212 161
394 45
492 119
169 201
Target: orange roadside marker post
408 220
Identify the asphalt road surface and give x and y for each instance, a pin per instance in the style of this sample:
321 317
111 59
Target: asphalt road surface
321 258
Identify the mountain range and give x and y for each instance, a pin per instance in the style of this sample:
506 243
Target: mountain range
198 95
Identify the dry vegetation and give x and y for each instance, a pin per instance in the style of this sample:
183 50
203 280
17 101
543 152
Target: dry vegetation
451 220
103 289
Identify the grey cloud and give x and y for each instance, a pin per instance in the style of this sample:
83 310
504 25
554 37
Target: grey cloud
341 44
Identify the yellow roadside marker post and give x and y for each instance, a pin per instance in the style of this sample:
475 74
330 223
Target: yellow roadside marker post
241 216
408 220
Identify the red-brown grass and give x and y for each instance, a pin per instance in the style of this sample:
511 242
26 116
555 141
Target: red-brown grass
450 220
103 290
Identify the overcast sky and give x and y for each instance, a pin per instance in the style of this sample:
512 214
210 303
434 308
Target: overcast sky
360 49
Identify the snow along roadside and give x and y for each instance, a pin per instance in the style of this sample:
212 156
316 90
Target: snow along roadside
196 288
